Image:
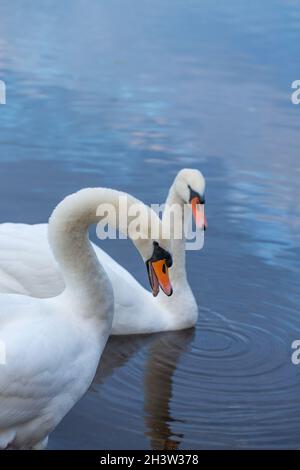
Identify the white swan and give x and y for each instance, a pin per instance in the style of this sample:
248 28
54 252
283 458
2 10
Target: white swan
27 266
51 347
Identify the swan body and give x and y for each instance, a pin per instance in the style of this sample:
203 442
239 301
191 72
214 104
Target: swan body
50 363
53 345
27 266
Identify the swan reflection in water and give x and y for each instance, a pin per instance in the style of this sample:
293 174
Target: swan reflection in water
163 359
164 351
128 405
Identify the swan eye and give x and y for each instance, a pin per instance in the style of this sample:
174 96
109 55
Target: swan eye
161 254
157 267
196 196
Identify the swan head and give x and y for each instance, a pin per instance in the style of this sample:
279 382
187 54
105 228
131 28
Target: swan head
158 260
158 270
154 249
190 187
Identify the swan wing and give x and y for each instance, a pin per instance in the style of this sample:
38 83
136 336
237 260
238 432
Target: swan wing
42 375
27 265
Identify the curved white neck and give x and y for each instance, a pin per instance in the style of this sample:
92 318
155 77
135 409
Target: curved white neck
85 279
182 304
178 271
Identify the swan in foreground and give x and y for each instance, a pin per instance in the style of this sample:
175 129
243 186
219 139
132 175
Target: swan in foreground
27 266
51 347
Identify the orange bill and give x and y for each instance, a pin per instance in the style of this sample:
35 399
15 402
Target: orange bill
199 213
159 277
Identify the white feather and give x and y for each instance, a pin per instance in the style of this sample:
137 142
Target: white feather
52 345
28 266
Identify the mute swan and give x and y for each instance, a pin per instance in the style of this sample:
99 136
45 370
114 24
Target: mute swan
52 346
27 266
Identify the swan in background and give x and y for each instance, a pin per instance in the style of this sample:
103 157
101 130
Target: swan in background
52 346
27 266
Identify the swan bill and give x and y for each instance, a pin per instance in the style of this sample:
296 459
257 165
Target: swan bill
198 210
158 270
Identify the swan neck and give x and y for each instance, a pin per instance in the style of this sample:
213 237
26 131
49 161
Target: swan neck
175 224
85 278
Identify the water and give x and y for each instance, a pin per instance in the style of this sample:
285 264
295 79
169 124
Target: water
124 94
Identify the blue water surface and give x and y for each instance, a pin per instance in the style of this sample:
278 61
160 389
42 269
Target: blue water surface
124 94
